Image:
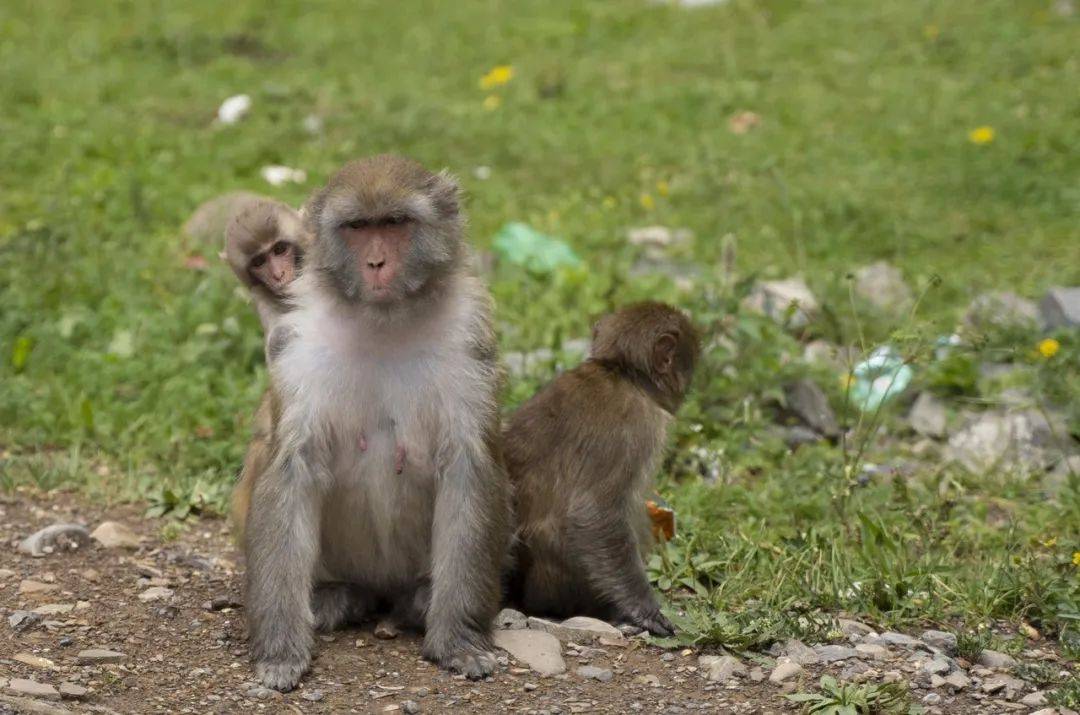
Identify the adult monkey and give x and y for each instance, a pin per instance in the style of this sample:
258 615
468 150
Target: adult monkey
389 343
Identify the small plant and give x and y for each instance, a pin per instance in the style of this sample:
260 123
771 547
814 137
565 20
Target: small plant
969 644
851 699
1068 695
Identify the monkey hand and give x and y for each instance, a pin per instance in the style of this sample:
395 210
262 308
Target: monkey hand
650 618
465 658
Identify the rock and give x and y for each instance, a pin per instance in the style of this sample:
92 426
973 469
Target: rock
683 274
57 536
871 650
510 620
591 672
720 668
34 661
1018 441
852 628
997 683
658 236
1051 711
1055 481
784 671
883 286
260 692
796 436
156 593
899 639
931 699
313 695
29 587
411 707
96 656
5 574
23 620
538 650
994 659
833 653
940 640
756 675
54 609
33 689
928 416
1034 700
936 666
578 629
775 298
1001 309
71 691
808 402
800 653
1060 308
220 603
114 535
957 681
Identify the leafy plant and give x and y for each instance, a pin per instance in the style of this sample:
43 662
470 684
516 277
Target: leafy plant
851 699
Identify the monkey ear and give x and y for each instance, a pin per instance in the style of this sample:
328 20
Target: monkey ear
445 192
663 356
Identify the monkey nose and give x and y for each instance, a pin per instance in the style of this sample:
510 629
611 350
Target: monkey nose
376 265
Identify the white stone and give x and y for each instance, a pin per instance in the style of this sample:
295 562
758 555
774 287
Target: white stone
114 535
233 109
721 668
536 649
774 298
784 670
883 286
277 175
33 689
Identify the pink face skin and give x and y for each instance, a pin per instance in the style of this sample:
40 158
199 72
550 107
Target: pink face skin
379 249
275 268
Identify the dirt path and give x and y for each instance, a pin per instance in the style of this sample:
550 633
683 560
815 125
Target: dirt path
171 610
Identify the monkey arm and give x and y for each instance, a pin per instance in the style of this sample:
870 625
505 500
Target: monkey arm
281 545
601 539
470 538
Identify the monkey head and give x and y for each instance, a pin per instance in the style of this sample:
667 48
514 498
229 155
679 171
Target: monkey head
264 245
386 230
650 341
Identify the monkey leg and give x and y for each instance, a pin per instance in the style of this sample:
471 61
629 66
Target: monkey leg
470 537
335 604
281 544
605 546
407 613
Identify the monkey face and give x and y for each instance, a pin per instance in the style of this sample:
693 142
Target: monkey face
276 267
379 251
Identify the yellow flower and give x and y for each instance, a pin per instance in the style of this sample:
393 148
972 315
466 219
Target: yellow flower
1076 559
492 102
1050 543
647 202
1049 347
497 77
981 135
610 202
663 188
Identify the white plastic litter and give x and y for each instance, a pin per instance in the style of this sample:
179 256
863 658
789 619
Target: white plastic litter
279 175
233 109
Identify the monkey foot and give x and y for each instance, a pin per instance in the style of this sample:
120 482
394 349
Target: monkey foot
399 459
280 676
387 629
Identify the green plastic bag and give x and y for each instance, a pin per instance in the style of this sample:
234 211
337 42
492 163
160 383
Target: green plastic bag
523 245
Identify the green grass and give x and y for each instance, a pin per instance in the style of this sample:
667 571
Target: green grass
132 376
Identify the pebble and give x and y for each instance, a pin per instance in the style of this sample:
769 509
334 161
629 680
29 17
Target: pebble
33 689
30 587
833 653
852 628
114 535
936 666
871 650
260 692
511 620
757 675
313 695
957 681
5 574
940 639
721 668
47 540
591 672
784 671
536 649
800 652
931 699
994 659
411 707
23 620
73 691
529 687
899 639
34 661
93 656
578 628
156 593
1034 700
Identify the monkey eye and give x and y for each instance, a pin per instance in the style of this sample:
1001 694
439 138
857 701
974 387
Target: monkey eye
357 224
280 248
394 220
258 260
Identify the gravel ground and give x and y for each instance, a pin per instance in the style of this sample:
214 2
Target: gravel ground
168 614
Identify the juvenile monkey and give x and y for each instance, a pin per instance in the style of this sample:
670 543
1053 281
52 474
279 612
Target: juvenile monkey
265 243
581 454
389 343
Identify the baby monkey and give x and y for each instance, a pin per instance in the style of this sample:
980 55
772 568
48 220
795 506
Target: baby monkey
265 243
581 454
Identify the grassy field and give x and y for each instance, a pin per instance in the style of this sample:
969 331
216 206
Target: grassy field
133 376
